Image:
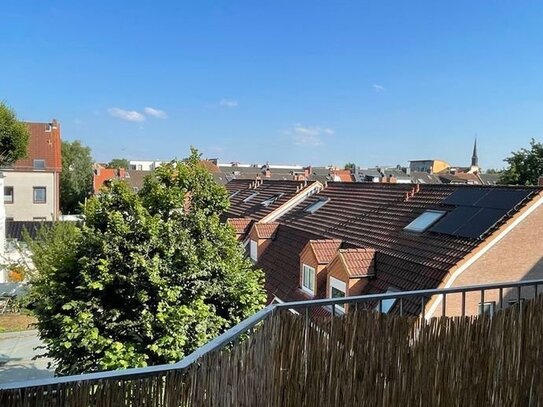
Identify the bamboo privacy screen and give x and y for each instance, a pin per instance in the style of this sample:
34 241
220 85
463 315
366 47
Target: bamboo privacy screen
361 359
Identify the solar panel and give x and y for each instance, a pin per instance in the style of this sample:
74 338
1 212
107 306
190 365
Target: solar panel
481 223
503 199
454 220
465 196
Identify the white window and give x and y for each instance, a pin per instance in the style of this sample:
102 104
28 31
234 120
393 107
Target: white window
250 197
337 290
314 207
271 200
308 279
8 195
424 221
233 194
386 305
487 308
254 250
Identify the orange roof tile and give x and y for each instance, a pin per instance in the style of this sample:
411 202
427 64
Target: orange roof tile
358 262
266 230
325 250
240 225
44 144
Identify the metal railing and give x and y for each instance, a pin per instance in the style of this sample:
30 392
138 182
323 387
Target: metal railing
374 302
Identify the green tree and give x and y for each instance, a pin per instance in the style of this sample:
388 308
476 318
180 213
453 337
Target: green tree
147 279
349 166
493 171
14 137
524 166
119 163
76 176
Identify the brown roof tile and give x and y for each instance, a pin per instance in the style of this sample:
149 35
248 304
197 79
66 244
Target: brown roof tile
325 249
44 144
266 230
359 262
240 225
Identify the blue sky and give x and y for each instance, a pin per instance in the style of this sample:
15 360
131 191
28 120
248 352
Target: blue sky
297 82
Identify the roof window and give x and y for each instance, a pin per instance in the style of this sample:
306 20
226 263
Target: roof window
233 194
39 164
386 305
271 200
250 197
315 206
424 221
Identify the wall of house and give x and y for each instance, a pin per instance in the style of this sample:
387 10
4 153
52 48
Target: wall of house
308 258
23 207
261 243
517 256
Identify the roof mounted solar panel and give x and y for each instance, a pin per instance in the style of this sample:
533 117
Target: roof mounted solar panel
466 196
455 220
481 223
503 199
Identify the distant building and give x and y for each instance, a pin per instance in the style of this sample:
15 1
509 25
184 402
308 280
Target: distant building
102 175
32 184
144 165
429 166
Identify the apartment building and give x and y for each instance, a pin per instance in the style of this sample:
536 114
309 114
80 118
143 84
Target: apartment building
32 184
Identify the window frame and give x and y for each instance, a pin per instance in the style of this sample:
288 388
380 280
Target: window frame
313 278
483 311
38 160
315 206
339 285
271 200
392 302
34 195
245 200
411 225
12 195
253 250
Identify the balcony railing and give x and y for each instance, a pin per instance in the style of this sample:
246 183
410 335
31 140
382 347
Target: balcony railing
167 385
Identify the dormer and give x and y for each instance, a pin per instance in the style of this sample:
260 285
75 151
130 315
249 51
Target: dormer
260 237
349 272
314 258
241 227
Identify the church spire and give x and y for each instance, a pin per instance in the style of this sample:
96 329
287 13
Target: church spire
474 158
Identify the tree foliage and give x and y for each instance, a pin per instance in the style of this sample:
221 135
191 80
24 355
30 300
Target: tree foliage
350 166
524 166
76 176
14 137
119 163
147 279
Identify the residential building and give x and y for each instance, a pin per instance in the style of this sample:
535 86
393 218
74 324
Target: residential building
346 239
429 166
32 184
144 165
101 175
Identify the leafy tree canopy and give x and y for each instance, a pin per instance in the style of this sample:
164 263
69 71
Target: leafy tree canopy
147 279
349 166
76 176
524 166
119 163
14 137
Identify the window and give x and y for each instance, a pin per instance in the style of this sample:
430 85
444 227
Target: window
337 290
39 219
233 194
386 305
39 164
140 167
253 250
40 195
314 207
250 197
271 200
10 219
424 221
308 279
8 195
487 308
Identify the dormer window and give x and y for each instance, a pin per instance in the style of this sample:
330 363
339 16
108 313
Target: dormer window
424 221
314 207
271 200
39 164
308 279
250 197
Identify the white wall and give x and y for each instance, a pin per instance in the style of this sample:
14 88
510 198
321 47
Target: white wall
23 206
144 165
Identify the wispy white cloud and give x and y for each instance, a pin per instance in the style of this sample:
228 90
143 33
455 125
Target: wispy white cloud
128 115
159 114
378 88
311 136
229 103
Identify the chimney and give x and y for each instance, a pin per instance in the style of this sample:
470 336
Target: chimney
268 172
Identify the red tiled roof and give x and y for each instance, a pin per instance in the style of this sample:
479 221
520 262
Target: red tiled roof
266 230
44 144
102 175
344 175
359 262
240 225
325 249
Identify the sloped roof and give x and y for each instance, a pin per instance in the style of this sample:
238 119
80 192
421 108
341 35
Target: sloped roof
240 225
424 178
325 249
44 144
359 262
266 230
15 229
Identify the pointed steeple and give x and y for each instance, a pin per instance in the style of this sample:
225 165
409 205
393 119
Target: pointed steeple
474 158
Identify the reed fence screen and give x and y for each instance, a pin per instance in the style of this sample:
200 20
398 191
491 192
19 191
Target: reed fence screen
359 359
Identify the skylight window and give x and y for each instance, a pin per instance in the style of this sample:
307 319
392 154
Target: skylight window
250 197
424 221
314 207
271 200
386 305
233 194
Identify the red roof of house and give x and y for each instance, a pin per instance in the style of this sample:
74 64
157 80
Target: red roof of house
266 230
44 144
325 249
344 175
101 175
240 225
359 262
